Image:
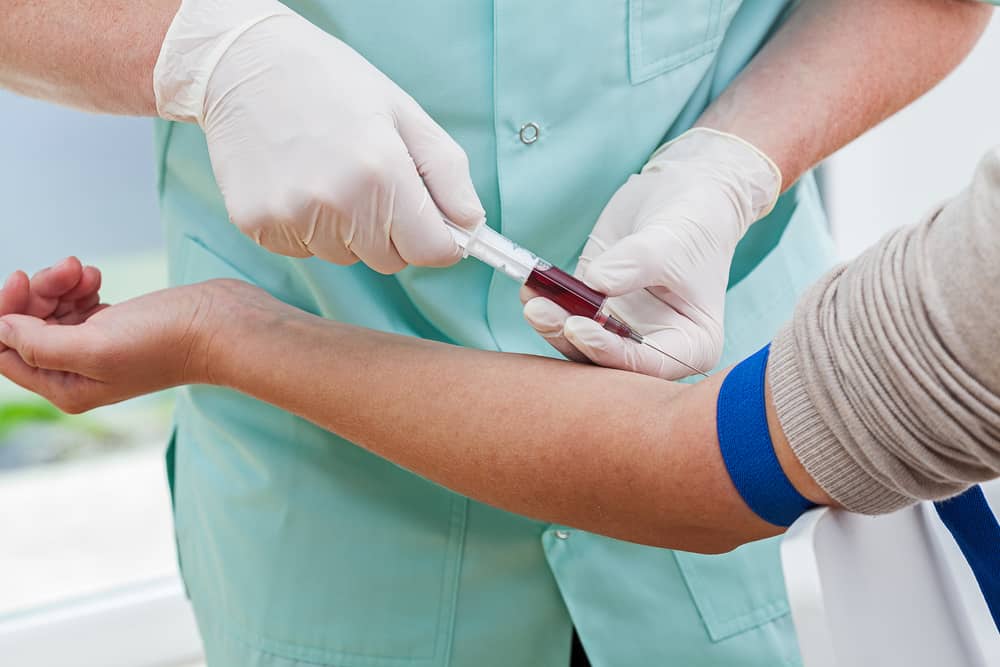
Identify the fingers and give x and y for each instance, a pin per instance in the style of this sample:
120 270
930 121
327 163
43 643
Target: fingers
280 238
81 310
548 319
75 305
15 369
684 345
612 351
418 229
89 285
633 263
58 280
57 291
49 285
394 220
15 293
443 166
44 345
70 393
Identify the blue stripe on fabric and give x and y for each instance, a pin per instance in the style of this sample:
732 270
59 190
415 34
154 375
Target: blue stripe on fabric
973 525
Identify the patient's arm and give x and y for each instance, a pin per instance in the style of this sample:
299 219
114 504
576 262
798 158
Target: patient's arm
604 450
887 384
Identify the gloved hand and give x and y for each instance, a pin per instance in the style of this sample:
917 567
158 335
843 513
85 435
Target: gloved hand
316 152
662 249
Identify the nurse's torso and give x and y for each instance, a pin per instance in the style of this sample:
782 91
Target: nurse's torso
297 546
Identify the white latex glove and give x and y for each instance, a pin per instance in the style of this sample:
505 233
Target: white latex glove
662 248
316 152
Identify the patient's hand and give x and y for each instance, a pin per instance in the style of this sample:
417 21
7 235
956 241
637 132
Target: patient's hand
58 341
66 292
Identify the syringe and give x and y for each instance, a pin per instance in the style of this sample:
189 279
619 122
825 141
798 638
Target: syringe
524 266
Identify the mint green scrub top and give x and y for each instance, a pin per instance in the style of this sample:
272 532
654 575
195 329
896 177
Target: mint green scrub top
300 548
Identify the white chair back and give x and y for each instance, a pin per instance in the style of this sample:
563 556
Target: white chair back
886 591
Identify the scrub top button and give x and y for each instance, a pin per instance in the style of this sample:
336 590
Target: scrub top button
562 534
529 133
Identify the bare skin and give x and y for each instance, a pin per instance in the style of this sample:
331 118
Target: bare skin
837 69
834 70
96 55
549 439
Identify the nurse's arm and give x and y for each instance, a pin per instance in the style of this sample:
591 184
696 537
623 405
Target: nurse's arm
839 67
91 54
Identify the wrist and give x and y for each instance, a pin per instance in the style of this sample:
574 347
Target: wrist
198 37
219 317
739 166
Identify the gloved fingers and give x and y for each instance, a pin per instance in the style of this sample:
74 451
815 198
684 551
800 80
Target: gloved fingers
633 263
278 237
323 239
607 349
616 221
379 254
442 165
416 225
604 348
548 319
681 257
697 344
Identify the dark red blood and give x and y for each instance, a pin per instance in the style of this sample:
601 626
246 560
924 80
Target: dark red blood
558 286
572 294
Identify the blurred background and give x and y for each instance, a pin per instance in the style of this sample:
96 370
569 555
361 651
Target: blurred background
84 506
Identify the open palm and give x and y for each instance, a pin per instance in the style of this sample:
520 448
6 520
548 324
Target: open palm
57 340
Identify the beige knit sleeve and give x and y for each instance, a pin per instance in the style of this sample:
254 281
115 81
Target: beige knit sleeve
887 380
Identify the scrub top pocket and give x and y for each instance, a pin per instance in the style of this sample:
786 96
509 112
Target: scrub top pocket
664 35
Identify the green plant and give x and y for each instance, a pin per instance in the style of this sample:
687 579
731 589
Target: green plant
18 413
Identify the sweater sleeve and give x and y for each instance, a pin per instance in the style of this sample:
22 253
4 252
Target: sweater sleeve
887 380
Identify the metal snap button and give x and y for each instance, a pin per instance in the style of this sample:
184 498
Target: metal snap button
529 133
562 534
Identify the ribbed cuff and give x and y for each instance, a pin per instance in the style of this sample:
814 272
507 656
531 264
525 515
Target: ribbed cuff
814 442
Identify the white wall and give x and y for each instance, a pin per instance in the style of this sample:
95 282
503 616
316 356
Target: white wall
927 152
73 183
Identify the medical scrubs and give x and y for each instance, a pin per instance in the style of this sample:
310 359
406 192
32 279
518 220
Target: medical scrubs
299 548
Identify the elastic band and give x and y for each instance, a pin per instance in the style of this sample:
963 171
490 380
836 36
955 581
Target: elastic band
747 449
745 442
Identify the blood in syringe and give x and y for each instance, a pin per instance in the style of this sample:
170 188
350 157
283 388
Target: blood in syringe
573 295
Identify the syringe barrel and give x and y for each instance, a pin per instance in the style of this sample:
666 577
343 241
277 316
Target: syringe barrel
546 280
496 250
576 297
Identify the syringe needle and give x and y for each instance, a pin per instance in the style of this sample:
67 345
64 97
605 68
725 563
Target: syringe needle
642 340
551 282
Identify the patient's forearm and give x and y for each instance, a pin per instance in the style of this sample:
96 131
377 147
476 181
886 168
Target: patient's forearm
607 451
